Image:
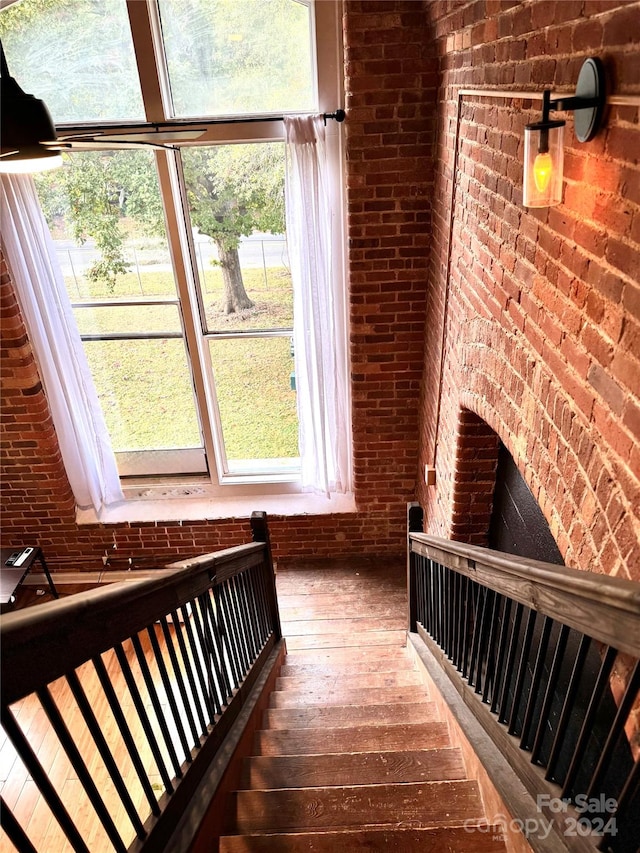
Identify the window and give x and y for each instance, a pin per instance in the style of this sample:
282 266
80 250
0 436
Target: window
176 260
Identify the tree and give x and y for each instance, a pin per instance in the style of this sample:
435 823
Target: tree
234 190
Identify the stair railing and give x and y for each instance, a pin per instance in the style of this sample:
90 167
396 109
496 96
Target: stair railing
172 660
547 660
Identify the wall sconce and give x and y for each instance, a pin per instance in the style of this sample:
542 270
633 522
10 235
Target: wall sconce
543 141
25 124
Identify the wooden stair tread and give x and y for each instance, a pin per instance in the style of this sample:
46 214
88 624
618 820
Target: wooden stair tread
360 768
347 639
368 738
339 716
349 655
342 695
387 840
416 803
323 680
358 624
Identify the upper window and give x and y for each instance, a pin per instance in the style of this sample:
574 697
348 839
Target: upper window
228 58
175 260
75 55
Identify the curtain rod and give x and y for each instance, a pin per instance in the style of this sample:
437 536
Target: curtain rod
106 128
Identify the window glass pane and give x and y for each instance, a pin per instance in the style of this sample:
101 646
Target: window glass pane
105 214
234 57
146 393
127 319
236 203
75 55
257 401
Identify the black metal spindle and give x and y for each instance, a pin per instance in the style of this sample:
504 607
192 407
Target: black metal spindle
228 634
522 672
156 704
102 746
568 706
232 614
602 682
216 653
179 675
174 712
554 675
143 716
209 698
252 617
481 594
483 631
503 645
188 668
125 732
489 678
214 689
626 704
512 654
244 614
42 781
624 800
461 619
469 610
536 681
15 833
68 744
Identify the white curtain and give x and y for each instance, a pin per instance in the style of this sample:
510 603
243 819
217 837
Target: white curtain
318 342
84 441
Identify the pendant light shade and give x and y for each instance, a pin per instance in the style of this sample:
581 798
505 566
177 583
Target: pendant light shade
25 124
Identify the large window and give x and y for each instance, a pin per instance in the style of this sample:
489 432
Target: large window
175 260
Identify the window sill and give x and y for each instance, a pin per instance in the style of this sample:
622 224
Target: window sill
204 508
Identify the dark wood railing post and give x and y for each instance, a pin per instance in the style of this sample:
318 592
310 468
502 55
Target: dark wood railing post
260 531
415 518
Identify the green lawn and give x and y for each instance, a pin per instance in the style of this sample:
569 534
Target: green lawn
144 385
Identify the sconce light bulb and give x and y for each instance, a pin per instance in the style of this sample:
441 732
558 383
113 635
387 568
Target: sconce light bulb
542 171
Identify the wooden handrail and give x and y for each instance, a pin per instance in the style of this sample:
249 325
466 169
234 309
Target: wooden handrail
55 639
604 607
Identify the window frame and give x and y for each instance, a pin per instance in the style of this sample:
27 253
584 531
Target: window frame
146 32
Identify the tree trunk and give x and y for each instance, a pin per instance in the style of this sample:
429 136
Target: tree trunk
235 296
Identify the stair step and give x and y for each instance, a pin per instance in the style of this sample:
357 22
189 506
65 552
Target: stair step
345 669
318 681
347 639
342 695
339 716
353 739
349 655
359 768
316 628
416 803
293 608
485 839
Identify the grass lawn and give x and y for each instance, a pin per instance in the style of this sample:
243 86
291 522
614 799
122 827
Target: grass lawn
145 386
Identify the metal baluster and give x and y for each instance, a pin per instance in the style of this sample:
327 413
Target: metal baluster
179 677
155 703
77 762
536 680
15 833
217 653
602 682
488 607
243 658
143 716
215 674
105 753
186 661
624 800
477 621
223 618
567 707
511 659
125 732
554 675
462 609
42 781
625 706
470 603
522 672
490 675
503 643
208 694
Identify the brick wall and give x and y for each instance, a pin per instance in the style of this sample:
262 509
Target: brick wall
390 71
542 337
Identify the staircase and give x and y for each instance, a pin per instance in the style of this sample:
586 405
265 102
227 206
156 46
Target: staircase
352 754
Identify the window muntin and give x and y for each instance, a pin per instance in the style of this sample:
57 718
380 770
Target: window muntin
229 58
75 55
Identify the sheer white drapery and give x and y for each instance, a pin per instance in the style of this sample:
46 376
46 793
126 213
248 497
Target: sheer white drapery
319 349
84 441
